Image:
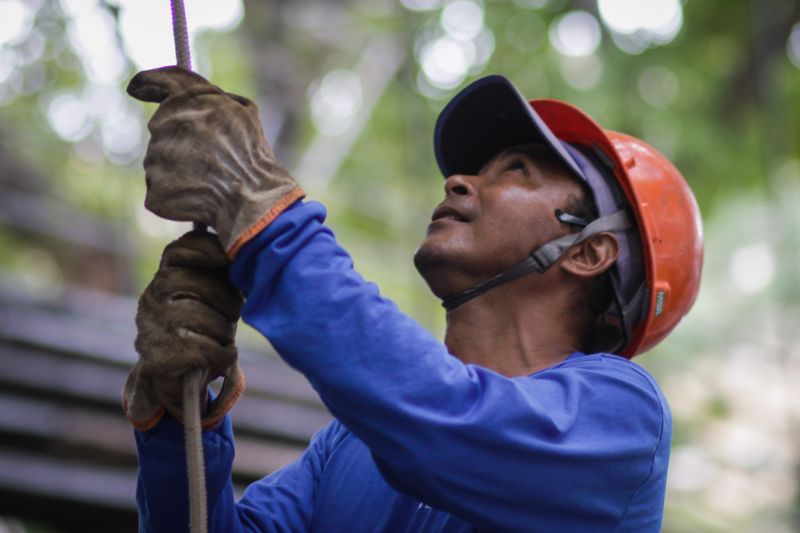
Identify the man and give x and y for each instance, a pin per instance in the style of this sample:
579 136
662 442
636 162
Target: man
557 244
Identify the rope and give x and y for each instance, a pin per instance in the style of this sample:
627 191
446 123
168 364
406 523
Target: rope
180 33
195 467
193 439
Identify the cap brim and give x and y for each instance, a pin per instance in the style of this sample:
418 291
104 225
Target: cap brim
486 117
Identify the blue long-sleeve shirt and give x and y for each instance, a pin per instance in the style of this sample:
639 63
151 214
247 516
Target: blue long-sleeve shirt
421 441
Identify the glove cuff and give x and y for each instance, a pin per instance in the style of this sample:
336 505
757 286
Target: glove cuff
144 415
150 423
140 411
232 248
232 390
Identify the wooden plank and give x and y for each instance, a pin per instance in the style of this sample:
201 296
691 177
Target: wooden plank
76 336
49 217
76 480
98 438
53 374
83 431
46 374
65 334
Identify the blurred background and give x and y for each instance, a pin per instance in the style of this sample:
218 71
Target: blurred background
349 91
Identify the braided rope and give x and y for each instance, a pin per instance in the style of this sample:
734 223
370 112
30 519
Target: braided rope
193 439
180 33
195 466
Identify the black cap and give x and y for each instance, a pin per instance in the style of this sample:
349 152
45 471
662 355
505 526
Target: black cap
486 117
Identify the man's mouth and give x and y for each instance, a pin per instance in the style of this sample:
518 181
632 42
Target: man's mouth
446 212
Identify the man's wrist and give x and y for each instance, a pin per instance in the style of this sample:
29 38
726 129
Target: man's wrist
254 216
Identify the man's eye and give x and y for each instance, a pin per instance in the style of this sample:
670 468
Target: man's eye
518 165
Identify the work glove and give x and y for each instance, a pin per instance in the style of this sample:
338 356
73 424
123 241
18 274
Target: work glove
208 160
186 320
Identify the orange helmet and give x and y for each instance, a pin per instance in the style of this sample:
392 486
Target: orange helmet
656 278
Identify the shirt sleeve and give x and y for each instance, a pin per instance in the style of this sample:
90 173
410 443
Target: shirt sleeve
280 502
565 449
284 500
162 495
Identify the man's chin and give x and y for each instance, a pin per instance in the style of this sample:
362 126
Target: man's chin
429 253
437 262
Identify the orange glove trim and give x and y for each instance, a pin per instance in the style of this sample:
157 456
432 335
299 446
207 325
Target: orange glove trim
248 234
218 412
143 425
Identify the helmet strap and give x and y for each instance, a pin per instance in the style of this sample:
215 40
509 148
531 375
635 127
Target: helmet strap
543 257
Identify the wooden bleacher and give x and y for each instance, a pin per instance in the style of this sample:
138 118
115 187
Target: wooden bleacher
67 458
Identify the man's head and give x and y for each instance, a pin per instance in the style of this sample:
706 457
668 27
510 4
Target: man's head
641 254
493 220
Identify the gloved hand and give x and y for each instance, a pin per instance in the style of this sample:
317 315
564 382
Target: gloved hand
208 160
186 319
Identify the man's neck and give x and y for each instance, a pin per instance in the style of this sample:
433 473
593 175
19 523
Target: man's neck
511 334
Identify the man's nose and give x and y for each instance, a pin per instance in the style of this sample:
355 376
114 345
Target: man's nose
459 185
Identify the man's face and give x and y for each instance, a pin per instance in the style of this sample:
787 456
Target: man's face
491 221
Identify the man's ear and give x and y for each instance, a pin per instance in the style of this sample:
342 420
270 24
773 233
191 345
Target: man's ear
592 257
